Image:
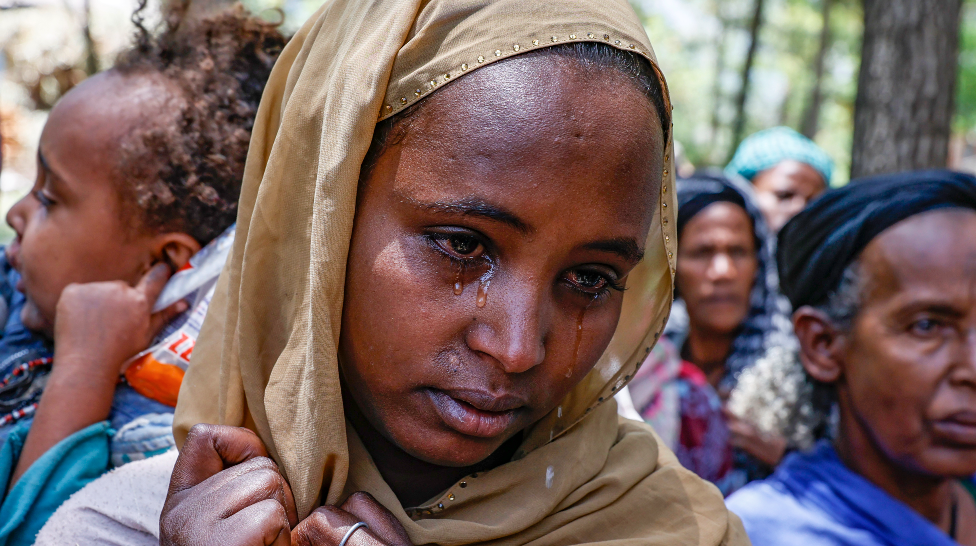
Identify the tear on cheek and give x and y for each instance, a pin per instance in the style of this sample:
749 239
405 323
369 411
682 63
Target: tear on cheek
574 363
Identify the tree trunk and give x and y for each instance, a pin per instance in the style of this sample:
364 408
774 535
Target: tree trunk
740 104
91 58
811 118
717 95
906 87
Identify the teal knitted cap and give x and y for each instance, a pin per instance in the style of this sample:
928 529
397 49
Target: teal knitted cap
769 147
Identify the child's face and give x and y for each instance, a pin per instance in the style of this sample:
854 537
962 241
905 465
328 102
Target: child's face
486 242
72 227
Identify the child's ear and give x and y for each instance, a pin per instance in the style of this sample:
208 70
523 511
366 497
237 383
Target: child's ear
821 344
174 248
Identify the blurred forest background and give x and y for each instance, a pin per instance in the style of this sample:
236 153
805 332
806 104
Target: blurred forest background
800 60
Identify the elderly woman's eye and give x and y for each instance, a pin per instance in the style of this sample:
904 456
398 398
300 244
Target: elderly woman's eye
924 327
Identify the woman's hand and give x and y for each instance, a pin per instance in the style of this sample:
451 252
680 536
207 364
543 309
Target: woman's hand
226 491
768 448
326 526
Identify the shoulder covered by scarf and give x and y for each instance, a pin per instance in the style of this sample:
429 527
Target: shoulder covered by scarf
267 355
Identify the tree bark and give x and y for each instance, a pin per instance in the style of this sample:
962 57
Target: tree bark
740 104
907 85
811 118
717 95
91 58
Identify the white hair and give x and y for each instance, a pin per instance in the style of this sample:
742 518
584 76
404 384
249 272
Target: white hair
778 396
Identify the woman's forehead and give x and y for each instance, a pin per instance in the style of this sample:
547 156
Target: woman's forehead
933 252
540 132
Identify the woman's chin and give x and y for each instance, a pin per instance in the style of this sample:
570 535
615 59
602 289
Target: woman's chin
451 449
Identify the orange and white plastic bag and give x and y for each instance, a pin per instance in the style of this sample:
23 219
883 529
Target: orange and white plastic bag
157 372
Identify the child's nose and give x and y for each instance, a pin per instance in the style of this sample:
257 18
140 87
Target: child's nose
18 214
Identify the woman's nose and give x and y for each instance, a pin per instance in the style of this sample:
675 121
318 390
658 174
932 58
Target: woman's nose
721 266
511 327
965 371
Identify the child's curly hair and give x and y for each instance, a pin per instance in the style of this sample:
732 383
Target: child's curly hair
184 174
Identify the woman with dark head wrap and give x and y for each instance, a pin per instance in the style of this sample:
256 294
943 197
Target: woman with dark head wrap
727 313
881 276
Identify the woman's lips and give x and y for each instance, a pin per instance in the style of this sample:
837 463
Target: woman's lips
959 428
475 413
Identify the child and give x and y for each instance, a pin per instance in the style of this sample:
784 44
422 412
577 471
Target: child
138 168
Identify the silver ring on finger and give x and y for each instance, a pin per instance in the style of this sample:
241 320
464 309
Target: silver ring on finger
350 532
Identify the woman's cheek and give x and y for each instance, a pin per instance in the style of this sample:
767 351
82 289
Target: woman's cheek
585 341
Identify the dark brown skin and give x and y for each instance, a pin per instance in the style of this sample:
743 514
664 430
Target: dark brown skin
905 373
526 181
716 270
90 274
784 190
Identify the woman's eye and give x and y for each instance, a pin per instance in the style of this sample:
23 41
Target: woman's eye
588 281
465 246
924 327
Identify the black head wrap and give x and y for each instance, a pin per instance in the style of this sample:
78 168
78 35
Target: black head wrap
819 243
695 194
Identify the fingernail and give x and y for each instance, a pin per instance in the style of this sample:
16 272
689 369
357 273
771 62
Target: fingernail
182 306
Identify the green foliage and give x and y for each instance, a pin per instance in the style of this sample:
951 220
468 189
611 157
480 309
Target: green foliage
965 119
782 78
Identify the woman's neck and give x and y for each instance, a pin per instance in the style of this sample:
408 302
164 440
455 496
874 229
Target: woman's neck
708 351
412 480
930 496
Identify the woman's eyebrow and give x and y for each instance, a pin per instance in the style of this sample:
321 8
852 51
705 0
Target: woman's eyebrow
472 207
624 247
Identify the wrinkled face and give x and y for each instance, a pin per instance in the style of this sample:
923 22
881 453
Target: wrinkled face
784 190
909 369
717 267
72 227
489 252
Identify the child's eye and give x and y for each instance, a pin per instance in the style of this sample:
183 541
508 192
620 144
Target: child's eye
43 199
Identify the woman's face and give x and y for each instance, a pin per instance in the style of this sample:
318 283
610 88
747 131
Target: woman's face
489 252
717 267
783 190
909 368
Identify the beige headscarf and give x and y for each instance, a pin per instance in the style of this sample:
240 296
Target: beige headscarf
267 355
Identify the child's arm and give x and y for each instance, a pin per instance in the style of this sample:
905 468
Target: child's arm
98 327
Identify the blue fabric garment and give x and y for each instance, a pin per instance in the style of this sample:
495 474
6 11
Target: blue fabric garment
768 148
18 345
59 473
814 500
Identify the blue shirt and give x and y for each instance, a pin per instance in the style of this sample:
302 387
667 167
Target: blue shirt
814 500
